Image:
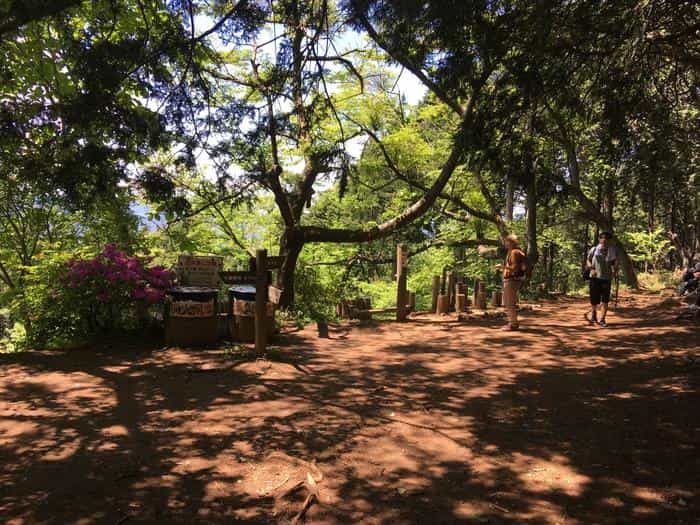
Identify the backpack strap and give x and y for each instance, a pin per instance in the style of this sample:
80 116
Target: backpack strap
591 253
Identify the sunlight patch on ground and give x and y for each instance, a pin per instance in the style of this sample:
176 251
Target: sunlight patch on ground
555 474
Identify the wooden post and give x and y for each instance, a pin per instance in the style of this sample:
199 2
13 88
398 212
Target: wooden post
460 297
401 296
412 301
460 302
496 298
436 292
475 299
482 296
443 305
260 301
451 289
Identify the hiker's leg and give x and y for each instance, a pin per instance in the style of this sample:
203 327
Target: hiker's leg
605 287
510 301
594 295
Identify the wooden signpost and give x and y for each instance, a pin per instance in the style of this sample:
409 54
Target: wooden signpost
266 295
275 262
260 301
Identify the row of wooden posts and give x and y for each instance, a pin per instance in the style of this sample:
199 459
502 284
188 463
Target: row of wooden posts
450 294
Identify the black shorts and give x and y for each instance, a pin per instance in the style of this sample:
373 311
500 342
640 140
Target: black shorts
599 291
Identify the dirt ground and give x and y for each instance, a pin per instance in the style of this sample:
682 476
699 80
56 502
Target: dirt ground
431 421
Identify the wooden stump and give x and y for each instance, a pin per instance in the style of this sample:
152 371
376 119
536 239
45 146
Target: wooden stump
411 301
451 289
460 302
481 301
443 304
497 298
475 297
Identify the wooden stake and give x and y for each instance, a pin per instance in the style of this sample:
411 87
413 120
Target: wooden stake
412 301
460 302
451 289
436 292
260 301
401 296
496 298
443 304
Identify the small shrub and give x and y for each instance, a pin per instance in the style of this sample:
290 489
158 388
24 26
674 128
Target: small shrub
67 302
109 288
15 339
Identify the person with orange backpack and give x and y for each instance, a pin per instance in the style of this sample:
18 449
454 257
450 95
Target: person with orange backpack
516 271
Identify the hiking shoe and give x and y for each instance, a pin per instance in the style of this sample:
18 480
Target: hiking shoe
510 327
591 320
602 323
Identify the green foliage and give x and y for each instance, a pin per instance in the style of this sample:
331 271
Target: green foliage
48 316
650 248
316 294
14 340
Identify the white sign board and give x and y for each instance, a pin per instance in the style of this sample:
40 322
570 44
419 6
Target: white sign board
197 270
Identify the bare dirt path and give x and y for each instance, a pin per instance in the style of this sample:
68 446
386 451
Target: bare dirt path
432 421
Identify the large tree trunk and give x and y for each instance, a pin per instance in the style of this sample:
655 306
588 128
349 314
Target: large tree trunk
602 220
290 250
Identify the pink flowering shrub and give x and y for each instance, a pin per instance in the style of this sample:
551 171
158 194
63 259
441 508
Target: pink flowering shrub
114 283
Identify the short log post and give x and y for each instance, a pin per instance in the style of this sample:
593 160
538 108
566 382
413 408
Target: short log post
451 289
475 298
322 326
436 292
401 296
482 296
443 304
460 302
496 298
260 301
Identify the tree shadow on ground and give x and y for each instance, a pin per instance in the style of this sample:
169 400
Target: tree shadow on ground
409 424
